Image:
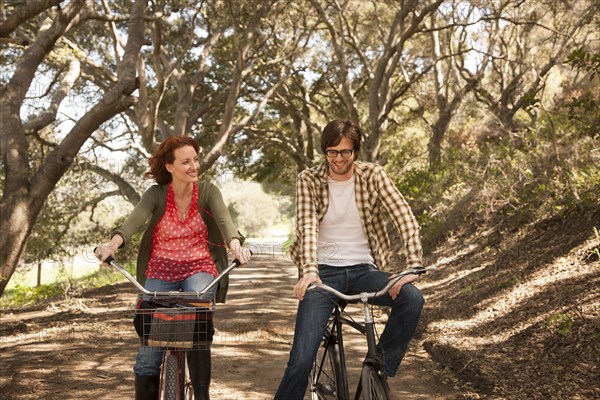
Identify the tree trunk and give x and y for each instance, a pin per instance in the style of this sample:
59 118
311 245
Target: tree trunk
16 223
434 147
38 281
25 190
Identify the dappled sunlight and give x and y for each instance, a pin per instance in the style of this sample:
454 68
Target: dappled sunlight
238 333
243 351
509 300
97 346
452 277
522 313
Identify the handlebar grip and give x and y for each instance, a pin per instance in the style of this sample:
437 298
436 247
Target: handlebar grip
108 260
237 262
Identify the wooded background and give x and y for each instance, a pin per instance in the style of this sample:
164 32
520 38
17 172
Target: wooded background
489 106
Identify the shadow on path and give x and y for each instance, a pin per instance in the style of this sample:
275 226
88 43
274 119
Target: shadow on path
64 352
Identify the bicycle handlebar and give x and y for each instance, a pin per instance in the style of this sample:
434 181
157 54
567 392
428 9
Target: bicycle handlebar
111 261
364 296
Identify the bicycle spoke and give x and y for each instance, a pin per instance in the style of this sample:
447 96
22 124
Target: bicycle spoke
373 385
326 376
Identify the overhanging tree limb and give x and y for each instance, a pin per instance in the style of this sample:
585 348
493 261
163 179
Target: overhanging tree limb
24 195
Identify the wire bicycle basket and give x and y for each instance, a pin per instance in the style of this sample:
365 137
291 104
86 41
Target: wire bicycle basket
176 323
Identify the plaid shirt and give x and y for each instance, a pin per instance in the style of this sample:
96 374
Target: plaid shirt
375 192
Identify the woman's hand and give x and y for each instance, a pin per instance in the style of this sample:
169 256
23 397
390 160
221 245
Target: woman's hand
395 290
103 251
303 284
241 253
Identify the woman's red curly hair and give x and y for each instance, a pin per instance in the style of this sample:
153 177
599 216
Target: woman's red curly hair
165 155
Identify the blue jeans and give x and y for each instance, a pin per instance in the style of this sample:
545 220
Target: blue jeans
149 359
314 310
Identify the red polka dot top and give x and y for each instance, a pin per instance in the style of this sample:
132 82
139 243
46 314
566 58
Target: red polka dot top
180 247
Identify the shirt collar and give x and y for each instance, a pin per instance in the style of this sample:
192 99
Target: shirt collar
359 169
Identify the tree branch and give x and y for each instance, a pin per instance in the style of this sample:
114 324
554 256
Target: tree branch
125 189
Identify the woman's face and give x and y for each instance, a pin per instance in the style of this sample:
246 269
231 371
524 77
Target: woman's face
185 167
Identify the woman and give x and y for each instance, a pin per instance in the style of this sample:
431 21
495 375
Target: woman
183 246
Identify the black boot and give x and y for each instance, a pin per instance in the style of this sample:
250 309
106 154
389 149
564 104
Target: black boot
146 387
199 366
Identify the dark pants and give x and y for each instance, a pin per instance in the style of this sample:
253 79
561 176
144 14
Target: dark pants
314 310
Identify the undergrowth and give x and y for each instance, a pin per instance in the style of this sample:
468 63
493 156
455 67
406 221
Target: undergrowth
22 296
521 178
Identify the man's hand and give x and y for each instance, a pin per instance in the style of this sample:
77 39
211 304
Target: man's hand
394 290
303 284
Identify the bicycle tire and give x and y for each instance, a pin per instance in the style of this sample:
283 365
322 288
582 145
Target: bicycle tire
328 378
175 385
171 378
374 385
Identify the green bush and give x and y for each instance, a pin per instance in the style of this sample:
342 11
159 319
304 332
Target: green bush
22 295
560 323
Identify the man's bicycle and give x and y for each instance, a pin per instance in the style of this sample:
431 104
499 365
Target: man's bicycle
174 322
328 379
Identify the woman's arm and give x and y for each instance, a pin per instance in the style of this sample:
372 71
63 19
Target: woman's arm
228 230
134 222
103 251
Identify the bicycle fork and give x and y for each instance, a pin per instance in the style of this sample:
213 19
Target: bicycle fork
373 357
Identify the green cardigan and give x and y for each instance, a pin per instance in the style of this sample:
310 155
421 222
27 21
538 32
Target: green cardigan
221 229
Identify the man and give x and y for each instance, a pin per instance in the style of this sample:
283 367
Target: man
341 241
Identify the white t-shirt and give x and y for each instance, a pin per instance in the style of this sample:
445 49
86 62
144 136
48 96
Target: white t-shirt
342 239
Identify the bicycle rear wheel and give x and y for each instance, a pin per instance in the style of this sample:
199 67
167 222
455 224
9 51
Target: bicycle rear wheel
328 379
373 384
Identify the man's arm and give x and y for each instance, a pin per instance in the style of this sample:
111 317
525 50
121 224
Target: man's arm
307 223
403 219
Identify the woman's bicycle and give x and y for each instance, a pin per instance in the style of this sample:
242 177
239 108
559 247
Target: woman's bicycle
328 379
174 322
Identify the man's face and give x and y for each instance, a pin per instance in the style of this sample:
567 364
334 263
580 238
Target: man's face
340 166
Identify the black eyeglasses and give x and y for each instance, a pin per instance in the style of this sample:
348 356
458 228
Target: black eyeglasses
334 153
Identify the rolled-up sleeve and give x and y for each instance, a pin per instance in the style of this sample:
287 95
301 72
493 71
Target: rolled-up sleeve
403 219
307 226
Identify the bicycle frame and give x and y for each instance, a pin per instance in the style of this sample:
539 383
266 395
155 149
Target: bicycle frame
335 333
177 386
373 362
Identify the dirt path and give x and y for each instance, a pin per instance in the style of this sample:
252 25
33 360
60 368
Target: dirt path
84 348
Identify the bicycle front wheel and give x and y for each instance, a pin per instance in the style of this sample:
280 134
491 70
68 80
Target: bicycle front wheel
373 384
327 381
174 385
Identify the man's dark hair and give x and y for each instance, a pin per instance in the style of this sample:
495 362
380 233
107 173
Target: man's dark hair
337 129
